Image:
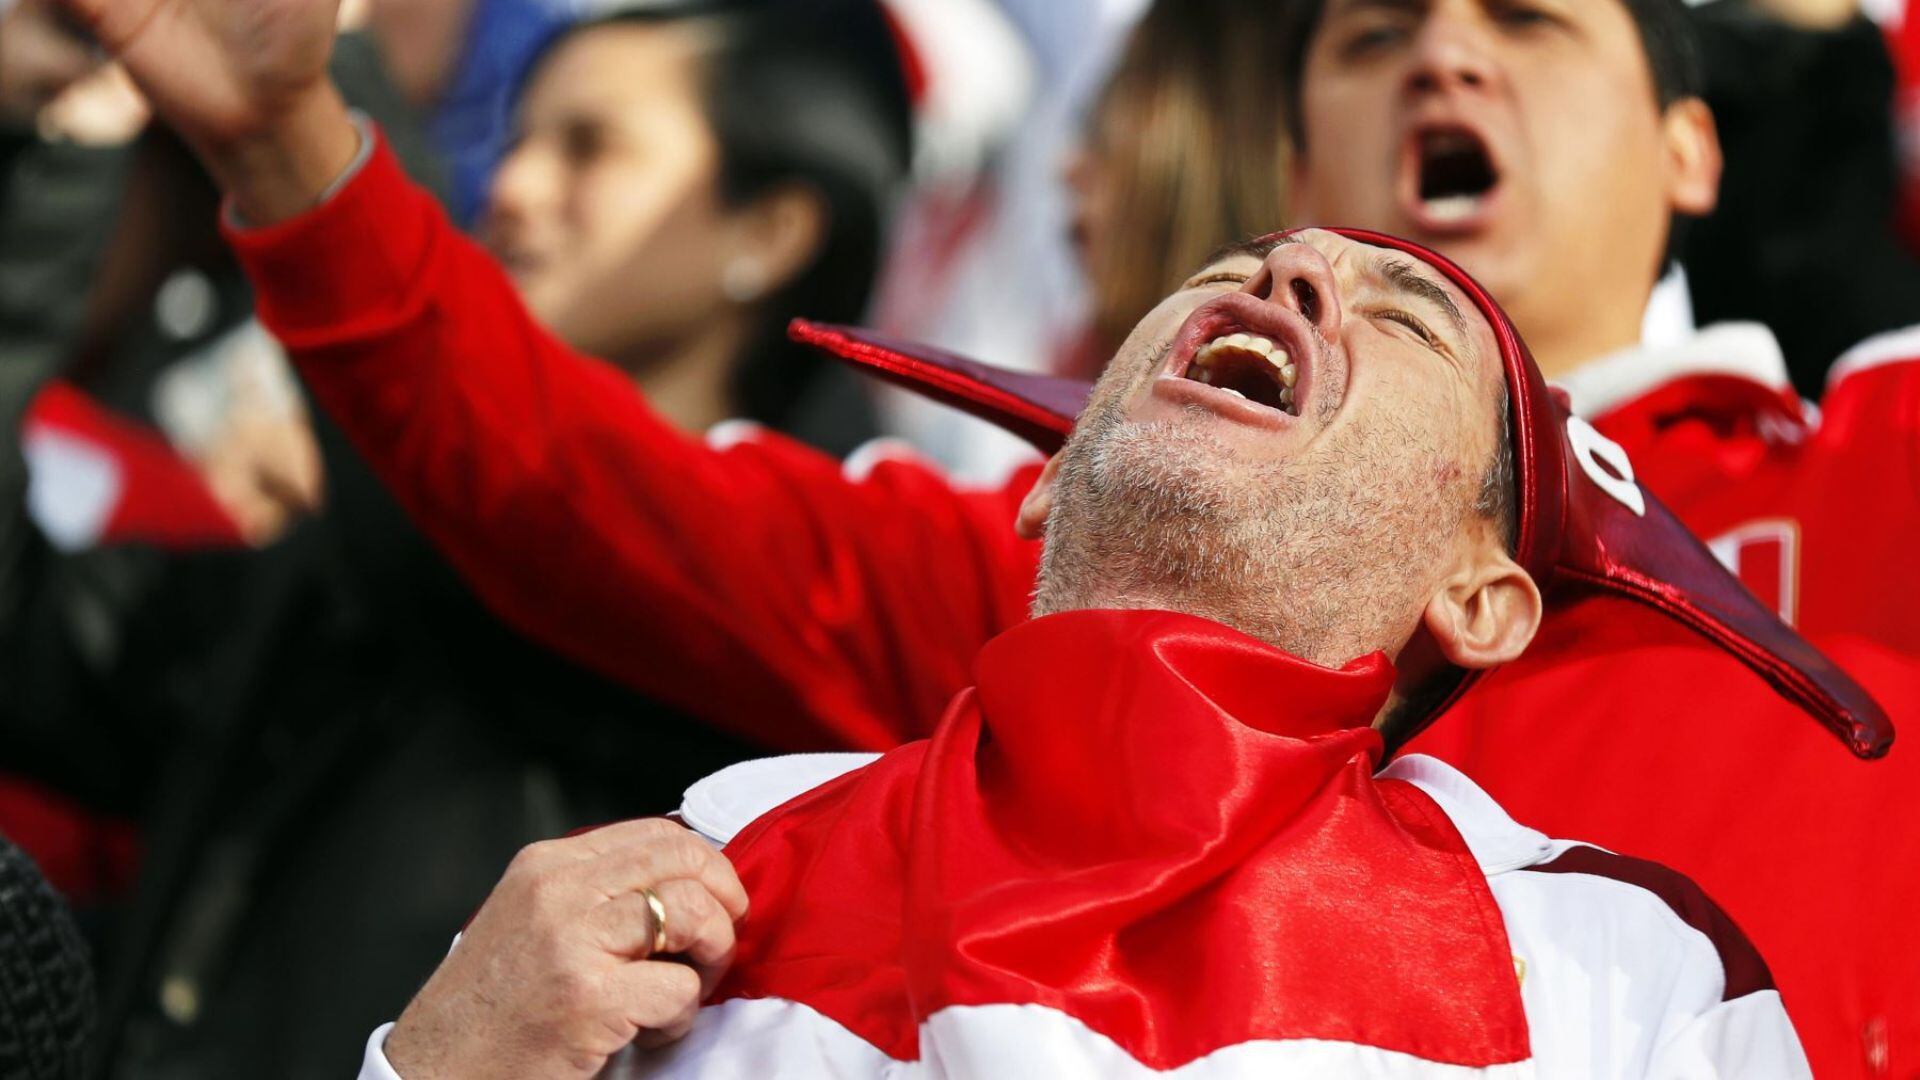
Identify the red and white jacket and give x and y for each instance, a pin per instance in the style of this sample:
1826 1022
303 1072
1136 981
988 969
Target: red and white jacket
761 586
1144 844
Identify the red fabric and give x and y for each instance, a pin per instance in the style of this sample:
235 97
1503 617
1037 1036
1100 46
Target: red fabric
1038 408
755 587
90 858
1620 729
162 500
1232 849
765 592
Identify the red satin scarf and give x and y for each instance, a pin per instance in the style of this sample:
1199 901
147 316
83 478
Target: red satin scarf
1156 825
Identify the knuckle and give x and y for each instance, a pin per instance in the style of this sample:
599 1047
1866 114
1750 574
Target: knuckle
527 858
688 850
656 826
547 888
576 994
568 992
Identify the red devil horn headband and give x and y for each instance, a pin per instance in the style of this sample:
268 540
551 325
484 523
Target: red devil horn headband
1584 521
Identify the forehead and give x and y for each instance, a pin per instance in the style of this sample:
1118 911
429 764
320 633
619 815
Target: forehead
1335 8
1610 25
617 60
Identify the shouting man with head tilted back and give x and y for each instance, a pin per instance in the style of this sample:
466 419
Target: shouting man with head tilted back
1319 490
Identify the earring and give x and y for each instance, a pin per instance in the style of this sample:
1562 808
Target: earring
743 280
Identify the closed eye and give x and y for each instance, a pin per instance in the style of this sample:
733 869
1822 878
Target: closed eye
1371 40
1223 278
1523 16
1414 324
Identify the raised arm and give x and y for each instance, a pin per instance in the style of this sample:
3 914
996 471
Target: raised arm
756 586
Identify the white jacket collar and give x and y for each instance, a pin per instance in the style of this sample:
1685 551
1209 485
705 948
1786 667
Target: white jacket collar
719 806
1739 349
1498 842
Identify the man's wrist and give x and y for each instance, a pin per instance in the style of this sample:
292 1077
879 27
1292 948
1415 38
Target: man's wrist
287 170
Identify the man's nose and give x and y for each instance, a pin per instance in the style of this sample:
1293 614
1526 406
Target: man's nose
1450 53
1296 276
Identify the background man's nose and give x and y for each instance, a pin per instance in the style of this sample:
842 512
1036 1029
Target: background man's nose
1449 53
1298 277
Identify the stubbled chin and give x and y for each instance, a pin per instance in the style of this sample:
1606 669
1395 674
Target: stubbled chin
1141 509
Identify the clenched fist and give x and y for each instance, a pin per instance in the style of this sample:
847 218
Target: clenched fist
555 975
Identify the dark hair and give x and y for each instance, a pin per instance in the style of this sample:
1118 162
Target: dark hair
809 92
1498 500
1667 35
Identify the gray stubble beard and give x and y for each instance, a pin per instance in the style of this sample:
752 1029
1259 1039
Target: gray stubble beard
1314 561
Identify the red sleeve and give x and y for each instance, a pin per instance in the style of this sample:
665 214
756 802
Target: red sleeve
757 586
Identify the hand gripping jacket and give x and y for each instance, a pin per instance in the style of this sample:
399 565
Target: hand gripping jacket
1585 523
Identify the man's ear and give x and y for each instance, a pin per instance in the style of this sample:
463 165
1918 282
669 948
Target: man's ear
1485 615
1034 510
1693 158
776 237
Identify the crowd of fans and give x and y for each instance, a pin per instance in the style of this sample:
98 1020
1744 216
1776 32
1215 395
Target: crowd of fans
263 739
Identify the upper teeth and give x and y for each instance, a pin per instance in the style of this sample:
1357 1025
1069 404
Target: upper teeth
1245 343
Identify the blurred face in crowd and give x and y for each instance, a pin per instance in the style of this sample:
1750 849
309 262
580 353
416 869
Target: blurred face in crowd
608 210
1521 137
1296 444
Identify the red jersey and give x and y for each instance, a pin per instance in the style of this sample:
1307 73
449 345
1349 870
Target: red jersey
757 584
1627 729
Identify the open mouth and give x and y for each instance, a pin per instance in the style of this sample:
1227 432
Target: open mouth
1248 366
1457 175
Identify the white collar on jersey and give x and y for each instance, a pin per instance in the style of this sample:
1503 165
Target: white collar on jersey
719 806
1498 842
1741 349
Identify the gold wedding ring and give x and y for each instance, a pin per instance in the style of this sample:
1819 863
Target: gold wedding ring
659 912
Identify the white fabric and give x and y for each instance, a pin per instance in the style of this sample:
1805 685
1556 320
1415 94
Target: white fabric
755 1040
244 370
373 1065
1615 984
1745 350
1893 347
719 806
73 485
1669 318
980 82
1888 13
